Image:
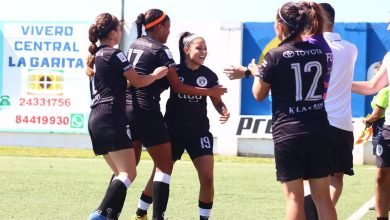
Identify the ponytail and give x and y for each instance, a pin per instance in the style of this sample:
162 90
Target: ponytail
93 38
149 20
104 24
315 19
139 22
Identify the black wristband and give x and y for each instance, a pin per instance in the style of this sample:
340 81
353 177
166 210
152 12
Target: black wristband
247 73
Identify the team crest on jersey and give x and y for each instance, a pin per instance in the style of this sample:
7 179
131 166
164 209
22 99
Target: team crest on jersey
169 54
379 150
122 57
201 81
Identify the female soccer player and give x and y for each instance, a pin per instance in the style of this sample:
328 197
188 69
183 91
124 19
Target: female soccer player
147 125
107 120
294 72
186 117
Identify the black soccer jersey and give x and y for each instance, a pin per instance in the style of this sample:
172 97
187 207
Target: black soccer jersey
295 72
146 54
186 115
109 84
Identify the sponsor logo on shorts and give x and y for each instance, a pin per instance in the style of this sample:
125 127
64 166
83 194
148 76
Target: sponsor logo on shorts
379 150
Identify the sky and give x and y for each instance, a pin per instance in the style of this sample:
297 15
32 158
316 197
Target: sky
183 10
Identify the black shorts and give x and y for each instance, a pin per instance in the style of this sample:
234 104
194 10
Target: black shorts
195 147
377 128
148 127
307 156
342 147
107 129
383 149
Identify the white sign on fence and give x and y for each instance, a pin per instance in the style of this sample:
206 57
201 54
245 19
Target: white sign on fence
43 86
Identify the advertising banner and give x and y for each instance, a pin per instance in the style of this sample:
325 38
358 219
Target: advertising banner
43 85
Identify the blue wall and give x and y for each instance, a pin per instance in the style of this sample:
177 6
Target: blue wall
371 39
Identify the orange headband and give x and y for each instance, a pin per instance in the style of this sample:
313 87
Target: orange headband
158 20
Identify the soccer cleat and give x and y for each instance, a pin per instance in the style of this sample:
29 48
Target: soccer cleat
137 217
96 216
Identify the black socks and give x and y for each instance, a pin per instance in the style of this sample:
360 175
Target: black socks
310 208
113 201
143 208
205 210
160 199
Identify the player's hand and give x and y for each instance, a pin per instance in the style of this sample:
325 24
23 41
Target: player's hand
90 71
234 72
225 116
253 67
366 123
217 91
160 72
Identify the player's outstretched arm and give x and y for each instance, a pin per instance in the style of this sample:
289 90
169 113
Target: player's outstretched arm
180 87
138 80
376 83
235 72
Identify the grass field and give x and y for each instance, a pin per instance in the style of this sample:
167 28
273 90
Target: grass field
40 183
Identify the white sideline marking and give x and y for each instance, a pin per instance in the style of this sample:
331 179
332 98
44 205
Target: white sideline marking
362 210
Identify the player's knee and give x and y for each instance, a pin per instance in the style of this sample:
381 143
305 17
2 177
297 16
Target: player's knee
207 180
131 174
321 198
295 199
164 166
337 181
382 176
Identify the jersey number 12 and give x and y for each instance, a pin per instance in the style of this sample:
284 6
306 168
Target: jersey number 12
310 96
